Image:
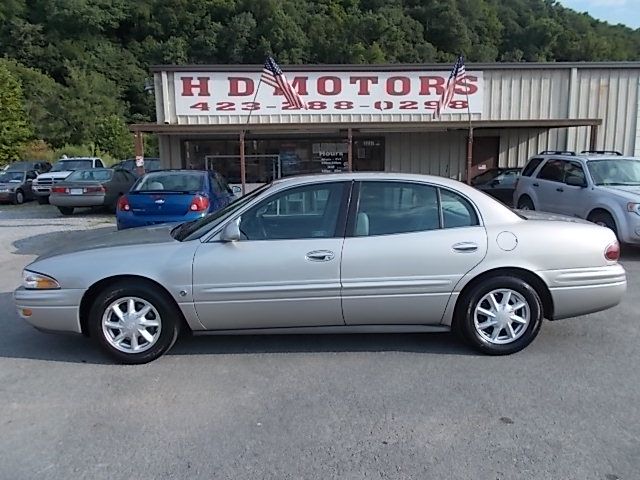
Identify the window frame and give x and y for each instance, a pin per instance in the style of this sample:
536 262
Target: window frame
544 165
354 204
341 223
541 161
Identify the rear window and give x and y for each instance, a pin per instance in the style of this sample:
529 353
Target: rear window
531 167
171 181
63 165
90 176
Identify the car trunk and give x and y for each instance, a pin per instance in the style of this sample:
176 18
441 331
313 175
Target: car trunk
160 202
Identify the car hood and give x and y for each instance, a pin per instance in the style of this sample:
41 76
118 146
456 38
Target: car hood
630 192
10 184
535 215
100 240
55 175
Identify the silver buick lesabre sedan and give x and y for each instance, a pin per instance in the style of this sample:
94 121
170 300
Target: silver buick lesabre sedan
341 253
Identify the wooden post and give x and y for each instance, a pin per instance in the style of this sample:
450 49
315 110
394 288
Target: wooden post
469 155
139 151
593 138
243 166
350 149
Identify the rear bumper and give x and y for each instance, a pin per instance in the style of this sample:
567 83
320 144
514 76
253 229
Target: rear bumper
582 291
77 200
51 310
129 220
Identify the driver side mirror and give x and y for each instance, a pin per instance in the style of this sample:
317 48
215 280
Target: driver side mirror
575 181
231 232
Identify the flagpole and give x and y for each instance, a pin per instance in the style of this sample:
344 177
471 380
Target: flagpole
243 164
470 136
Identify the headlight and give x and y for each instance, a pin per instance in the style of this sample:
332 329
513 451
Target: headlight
634 208
37 281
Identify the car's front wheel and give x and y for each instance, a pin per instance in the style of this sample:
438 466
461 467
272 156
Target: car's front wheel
500 315
19 197
134 322
525 203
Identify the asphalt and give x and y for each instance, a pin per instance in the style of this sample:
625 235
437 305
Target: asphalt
306 407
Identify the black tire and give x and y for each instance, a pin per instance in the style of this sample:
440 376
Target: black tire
43 200
170 319
464 321
525 203
18 198
66 210
604 219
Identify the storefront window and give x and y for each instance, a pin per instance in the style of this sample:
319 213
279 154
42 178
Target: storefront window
269 159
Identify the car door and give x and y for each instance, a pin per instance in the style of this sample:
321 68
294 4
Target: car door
408 245
28 186
285 270
548 186
503 186
574 200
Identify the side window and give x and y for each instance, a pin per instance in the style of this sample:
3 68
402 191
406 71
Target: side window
457 211
574 170
394 207
99 163
531 167
304 212
553 171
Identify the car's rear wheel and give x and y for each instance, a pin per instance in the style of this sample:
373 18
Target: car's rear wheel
500 315
43 200
66 210
604 219
525 203
134 322
19 197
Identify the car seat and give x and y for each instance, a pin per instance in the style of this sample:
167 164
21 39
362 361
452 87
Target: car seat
156 186
362 225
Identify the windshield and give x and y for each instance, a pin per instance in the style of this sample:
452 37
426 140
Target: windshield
171 182
615 171
92 175
11 177
62 165
188 229
485 177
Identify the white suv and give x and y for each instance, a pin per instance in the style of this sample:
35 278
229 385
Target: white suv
600 186
61 170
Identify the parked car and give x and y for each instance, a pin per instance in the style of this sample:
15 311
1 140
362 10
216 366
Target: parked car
172 196
500 183
341 253
15 186
603 188
97 187
61 170
39 166
150 165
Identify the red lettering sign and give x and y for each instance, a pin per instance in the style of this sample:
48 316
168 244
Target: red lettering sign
336 85
364 84
431 85
468 87
188 86
240 87
404 85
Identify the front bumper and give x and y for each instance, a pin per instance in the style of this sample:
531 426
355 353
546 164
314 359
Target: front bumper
583 291
7 196
51 310
41 191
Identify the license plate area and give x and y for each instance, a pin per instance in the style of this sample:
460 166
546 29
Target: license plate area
76 191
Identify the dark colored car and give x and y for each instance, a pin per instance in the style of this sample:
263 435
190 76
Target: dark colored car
500 183
97 187
151 164
15 186
169 196
38 166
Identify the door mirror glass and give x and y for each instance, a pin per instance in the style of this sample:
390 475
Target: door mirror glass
231 232
576 181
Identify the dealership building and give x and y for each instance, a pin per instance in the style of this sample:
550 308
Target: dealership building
383 118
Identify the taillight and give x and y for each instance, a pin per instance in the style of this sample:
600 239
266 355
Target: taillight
123 204
612 253
60 190
199 204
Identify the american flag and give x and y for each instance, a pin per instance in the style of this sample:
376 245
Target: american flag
458 74
273 75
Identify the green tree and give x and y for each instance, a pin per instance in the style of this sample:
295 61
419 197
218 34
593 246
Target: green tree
113 136
15 130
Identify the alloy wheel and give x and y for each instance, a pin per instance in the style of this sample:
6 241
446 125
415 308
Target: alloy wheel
502 316
131 325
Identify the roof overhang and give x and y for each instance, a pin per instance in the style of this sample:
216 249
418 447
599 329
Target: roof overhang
386 127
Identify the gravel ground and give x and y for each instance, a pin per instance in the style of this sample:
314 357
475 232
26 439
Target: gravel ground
333 406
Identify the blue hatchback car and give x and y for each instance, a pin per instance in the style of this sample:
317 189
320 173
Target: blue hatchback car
171 196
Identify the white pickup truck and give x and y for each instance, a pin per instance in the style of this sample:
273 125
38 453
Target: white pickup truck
61 169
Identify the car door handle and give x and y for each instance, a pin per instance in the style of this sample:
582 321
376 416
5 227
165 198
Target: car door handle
465 247
559 189
320 256
536 184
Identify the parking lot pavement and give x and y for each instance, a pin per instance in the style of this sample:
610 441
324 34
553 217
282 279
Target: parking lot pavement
334 406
